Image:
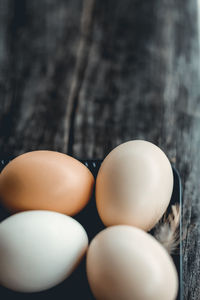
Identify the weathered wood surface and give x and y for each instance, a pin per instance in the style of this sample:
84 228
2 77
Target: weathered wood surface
84 80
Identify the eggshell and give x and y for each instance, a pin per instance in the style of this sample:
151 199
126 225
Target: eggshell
126 263
39 249
45 180
134 185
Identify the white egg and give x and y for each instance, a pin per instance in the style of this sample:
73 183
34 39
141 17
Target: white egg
134 185
39 249
126 263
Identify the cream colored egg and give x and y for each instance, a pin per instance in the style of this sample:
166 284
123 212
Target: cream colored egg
126 263
39 249
134 185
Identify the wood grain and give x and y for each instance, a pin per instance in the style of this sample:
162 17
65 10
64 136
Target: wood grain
138 77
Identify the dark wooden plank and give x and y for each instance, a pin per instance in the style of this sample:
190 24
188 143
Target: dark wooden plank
142 81
131 72
40 45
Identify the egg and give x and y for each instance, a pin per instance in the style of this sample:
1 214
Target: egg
134 185
39 249
46 180
126 263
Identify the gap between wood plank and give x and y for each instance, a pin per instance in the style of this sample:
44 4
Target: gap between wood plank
81 62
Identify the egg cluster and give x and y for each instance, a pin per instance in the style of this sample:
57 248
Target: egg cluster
44 189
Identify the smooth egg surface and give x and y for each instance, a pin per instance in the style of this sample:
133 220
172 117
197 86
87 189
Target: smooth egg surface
39 249
126 263
46 180
134 185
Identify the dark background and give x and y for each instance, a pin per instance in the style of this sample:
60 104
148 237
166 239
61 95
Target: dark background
81 77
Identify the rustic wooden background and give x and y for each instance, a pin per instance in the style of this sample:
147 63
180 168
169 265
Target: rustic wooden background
83 76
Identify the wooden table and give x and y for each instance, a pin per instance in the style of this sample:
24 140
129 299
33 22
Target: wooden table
84 76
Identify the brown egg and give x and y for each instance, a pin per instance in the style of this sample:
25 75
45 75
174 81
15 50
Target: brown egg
45 180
